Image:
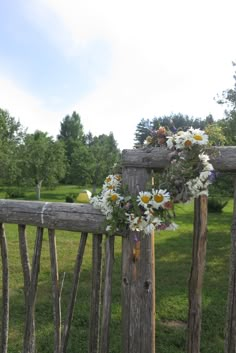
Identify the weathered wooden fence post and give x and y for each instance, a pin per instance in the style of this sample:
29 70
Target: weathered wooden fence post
196 275
138 279
230 329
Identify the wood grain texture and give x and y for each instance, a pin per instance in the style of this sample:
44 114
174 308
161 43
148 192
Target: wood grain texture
55 291
106 310
95 307
230 328
5 291
158 158
57 215
29 336
197 274
138 284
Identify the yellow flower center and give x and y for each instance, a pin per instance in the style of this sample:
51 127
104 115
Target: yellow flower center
110 187
108 179
188 143
197 137
158 198
145 198
114 197
118 177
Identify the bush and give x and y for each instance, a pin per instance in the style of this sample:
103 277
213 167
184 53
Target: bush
70 198
14 194
216 205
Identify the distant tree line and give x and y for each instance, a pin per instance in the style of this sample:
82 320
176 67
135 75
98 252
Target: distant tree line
39 159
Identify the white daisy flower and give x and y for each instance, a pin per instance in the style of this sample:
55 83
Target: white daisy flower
159 197
199 136
144 198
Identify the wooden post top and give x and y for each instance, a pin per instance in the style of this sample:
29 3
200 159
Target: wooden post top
223 159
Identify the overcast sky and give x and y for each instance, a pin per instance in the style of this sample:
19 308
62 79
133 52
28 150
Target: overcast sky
114 62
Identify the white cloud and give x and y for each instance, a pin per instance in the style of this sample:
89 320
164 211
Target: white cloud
26 108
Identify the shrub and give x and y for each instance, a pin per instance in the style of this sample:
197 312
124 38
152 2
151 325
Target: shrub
14 194
216 205
70 198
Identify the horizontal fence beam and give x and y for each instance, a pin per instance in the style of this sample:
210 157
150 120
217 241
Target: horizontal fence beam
222 158
54 215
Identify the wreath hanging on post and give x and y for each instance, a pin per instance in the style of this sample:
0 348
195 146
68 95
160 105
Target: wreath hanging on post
188 176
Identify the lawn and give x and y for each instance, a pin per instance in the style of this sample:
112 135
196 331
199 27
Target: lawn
173 262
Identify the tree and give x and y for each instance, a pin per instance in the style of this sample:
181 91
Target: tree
72 135
11 137
171 122
81 165
104 154
44 160
228 124
142 131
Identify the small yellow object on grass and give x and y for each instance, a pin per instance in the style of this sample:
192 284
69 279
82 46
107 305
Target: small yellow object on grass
84 196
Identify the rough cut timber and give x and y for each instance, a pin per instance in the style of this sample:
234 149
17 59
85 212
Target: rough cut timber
54 215
223 158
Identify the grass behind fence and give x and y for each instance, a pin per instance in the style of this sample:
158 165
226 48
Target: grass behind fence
173 261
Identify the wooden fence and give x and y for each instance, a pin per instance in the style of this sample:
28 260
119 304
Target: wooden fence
138 271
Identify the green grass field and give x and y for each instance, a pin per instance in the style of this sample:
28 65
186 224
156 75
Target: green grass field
173 261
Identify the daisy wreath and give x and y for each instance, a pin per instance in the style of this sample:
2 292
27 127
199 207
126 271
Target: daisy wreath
188 176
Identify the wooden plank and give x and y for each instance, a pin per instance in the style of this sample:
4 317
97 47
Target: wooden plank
196 274
29 336
94 329
230 329
74 289
57 215
5 291
106 311
148 294
55 291
158 158
138 284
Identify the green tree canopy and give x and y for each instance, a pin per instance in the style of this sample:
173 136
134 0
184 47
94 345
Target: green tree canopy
228 98
104 154
43 160
11 137
72 135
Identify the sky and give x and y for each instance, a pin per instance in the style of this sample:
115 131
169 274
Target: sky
114 62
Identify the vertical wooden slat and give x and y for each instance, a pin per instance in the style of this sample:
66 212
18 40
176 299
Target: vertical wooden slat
95 294
196 274
106 312
29 337
55 291
230 329
71 305
5 291
24 259
148 297
138 283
